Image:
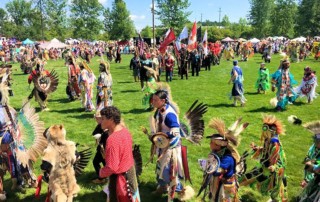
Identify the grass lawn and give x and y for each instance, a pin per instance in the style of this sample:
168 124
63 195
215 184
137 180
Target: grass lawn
210 87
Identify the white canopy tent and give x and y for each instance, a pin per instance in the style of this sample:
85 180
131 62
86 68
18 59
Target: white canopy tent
299 39
254 40
228 39
54 43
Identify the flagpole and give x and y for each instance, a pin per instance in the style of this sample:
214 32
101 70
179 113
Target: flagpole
153 39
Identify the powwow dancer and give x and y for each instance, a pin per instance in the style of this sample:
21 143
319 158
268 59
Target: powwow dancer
45 82
86 80
263 81
270 174
311 181
150 88
73 91
104 87
15 129
220 169
166 134
283 80
237 88
308 85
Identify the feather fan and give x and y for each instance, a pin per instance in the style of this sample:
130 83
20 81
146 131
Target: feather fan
83 158
31 133
313 127
53 83
193 130
137 159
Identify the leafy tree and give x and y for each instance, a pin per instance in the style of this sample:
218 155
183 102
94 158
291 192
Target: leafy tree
85 18
56 21
3 19
117 22
146 32
259 16
225 21
308 17
172 13
283 18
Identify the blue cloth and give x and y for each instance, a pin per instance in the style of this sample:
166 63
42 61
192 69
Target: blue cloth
227 163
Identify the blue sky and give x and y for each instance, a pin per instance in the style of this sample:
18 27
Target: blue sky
140 10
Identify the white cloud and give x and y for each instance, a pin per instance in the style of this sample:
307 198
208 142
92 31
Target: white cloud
137 17
103 1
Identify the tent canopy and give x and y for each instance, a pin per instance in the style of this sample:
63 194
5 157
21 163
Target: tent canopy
54 43
254 40
300 39
27 42
228 39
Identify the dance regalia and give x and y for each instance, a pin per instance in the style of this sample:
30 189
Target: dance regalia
237 88
86 90
307 88
263 81
283 80
104 94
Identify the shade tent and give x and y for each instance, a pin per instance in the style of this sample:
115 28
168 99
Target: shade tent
242 39
54 43
299 39
27 42
254 40
228 39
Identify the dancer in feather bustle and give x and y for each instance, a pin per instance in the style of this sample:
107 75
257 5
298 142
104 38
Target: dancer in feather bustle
17 157
311 181
166 133
270 174
220 172
45 82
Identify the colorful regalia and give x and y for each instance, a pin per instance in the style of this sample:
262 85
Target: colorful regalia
237 92
104 86
263 81
270 173
311 182
223 163
308 85
150 88
86 79
283 80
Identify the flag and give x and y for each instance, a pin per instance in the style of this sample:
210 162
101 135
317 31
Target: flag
183 34
168 31
140 45
205 43
199 34
170 38
178 44
192 43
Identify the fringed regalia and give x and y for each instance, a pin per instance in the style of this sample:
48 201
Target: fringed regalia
228 53
263 81
237 91
284 80
73 90
167 132
222 166
104 93
308 85
312 167
150 88
86 80
270 173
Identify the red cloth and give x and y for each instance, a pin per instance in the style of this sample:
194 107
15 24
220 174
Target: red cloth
169 64
34 73
119 159
170 38
192 43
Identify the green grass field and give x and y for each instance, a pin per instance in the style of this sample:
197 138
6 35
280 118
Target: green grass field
210 87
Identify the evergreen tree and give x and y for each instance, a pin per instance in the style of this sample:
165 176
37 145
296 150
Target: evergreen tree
117 22
85 18
259 16
172 13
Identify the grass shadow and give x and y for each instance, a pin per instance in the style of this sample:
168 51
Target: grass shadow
61 100
125 82
221 105
251 93
86 115
136 111
262 109
72 110
129 91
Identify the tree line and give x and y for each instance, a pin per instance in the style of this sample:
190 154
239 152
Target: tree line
89 20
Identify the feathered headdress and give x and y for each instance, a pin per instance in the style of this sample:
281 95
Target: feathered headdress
313 127
272 123
230 135
165 87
